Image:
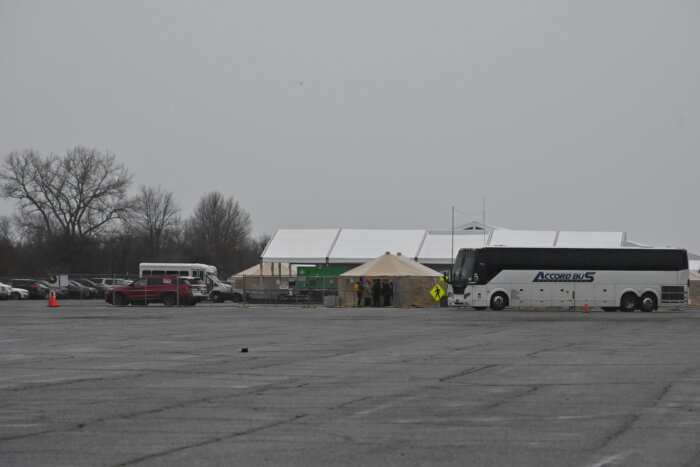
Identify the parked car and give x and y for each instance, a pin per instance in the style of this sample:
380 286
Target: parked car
78 290
61 292
110 282
35 288
168 290
5 291
100 288
19 294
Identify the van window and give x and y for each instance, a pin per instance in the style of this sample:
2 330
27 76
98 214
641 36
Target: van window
146 272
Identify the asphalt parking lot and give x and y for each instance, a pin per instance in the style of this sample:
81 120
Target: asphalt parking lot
155 386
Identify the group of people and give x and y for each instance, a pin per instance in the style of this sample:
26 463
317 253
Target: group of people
372 293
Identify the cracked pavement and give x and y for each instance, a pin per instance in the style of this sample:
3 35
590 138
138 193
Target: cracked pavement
149 386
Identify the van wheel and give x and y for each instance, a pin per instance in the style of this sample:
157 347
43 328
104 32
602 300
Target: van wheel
169 300
217 298
499 301
648 302
628 302
237 298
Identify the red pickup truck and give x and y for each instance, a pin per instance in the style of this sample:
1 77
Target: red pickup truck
168 290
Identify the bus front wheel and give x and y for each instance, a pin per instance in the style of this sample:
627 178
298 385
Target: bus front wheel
628 302
499 301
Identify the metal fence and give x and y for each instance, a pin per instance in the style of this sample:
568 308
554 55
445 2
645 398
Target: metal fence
330 291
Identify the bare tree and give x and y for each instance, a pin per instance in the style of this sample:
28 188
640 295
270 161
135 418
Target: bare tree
74 197
260 244
220 230
155 213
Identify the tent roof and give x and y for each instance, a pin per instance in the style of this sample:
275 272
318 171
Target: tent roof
590 239
268 270
355 246
389 265
300 245
529 238
437 247
358 246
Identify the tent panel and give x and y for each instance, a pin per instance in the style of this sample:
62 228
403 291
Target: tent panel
437 247
568 239
524 238
300 246
355 245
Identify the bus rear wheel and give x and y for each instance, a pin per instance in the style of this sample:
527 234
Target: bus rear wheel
648 302
628 302
499 301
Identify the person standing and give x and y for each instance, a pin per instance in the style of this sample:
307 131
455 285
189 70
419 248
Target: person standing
386 292
367 293
376 292
359 288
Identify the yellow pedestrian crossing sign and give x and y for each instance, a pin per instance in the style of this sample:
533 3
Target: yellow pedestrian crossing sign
437 292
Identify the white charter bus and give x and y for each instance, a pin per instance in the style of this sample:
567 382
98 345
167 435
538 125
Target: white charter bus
613 279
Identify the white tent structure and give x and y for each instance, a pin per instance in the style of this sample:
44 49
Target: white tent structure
430 247
389 265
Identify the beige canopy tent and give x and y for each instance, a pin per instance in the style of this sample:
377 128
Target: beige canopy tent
412 281
270 277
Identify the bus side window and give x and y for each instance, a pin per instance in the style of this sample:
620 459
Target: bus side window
146 273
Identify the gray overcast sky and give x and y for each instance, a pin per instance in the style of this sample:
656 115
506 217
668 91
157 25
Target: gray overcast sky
580 115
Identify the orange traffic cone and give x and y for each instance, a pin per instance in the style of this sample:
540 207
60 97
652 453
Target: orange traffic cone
52 298
585 307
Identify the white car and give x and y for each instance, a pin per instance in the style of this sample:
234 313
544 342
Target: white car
19 294
5 291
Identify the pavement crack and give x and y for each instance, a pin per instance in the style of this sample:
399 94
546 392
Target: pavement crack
211 441
629 421
465 373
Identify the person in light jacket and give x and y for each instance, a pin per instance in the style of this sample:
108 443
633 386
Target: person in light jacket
367 293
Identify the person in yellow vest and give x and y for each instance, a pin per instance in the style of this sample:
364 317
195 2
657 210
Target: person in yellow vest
358 288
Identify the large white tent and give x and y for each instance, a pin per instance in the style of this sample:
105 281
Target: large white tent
434 248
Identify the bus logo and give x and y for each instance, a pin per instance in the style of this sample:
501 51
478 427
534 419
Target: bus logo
564 277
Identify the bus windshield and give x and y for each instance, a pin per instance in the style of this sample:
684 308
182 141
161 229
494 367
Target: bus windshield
464 266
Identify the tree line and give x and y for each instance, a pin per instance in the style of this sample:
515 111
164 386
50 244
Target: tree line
75 215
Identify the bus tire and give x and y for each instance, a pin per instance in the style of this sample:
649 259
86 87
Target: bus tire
648 302
499 301
628 302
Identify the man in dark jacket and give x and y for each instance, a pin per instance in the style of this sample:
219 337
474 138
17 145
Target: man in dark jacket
376 292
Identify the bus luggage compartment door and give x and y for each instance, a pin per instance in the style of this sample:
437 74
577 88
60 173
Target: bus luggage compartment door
585 292
562 295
